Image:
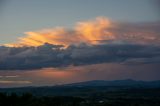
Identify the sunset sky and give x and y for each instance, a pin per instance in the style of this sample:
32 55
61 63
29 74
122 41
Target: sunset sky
49 42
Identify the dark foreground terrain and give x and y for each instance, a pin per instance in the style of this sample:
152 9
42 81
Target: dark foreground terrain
94 93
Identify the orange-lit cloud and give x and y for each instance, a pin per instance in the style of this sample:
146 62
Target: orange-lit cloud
84 32
92 32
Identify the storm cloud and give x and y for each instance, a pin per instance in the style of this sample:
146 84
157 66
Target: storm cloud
49 55
89 42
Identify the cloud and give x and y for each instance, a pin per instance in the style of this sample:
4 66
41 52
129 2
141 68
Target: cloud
84 32
9 76
49 55
71 74
93 32
14 82
89 42
142 33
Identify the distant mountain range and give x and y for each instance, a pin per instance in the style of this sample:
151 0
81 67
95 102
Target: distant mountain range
127 82
88 88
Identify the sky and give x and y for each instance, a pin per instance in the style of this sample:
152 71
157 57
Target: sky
49 42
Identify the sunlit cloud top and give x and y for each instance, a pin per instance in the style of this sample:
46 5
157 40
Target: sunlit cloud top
92 32
84 32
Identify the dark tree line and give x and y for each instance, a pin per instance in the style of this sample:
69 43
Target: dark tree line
27 99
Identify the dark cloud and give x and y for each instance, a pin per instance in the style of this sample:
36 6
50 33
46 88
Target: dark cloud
48 55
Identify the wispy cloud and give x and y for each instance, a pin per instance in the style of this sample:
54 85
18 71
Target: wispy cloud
9 76
14 82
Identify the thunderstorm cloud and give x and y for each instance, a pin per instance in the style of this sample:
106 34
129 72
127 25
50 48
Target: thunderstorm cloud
91 42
